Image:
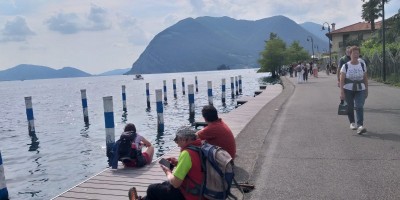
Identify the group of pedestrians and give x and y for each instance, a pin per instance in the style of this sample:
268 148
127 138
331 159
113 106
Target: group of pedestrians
186 176
301 70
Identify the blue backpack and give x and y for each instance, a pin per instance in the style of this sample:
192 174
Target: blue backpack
217 166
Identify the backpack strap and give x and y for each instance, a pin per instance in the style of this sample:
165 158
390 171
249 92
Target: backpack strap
362 66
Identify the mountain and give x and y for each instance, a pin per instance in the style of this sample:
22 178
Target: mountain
204 43
316 29
29 72
114 72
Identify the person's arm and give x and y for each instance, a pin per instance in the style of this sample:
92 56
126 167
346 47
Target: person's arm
366 84
146 142
342 77
176 182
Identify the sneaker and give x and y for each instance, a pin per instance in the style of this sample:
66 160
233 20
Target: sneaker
132 194
353 126
361 130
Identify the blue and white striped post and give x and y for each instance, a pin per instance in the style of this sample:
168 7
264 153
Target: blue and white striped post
165 90
240 84
84 106
160 110
29 116
223 91
3 187
196 83
236 85
109 125
148 96
123 99
183 86
191 102
174 87
209 93
232 89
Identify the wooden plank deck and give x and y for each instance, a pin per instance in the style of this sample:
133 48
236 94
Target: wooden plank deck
115 183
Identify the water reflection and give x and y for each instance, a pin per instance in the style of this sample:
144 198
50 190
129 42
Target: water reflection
85 131
34 145
124 117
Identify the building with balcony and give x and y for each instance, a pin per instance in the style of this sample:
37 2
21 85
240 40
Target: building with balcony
350 35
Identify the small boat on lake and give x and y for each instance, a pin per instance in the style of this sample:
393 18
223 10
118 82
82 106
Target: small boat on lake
138 77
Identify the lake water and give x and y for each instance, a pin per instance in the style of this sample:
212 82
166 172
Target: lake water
68 152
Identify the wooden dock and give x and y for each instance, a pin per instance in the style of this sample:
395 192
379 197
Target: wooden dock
115 183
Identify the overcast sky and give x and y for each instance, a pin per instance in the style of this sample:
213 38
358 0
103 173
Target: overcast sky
101 35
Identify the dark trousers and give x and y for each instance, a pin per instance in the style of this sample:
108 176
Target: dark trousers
165 190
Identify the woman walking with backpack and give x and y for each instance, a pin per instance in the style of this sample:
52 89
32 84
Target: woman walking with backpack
354 89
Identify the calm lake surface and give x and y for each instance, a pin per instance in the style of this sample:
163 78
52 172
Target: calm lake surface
68 152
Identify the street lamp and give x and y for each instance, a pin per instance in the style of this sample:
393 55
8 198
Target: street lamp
329 41
312 46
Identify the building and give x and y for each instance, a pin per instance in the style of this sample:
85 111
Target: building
350 35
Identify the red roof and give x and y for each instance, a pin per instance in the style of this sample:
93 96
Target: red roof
360 26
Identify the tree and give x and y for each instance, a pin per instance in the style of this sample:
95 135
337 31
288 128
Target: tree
295 53
273 55
371 10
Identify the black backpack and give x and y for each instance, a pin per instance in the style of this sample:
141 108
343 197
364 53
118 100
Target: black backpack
128 152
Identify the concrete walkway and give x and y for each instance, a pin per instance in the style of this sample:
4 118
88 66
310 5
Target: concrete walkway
297 147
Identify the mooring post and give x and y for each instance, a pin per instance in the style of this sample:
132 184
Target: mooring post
148 96
109 125
191 102
174 87
85 106
165 91
183 86
223 91
232 89
196 83
3 187
240 84
29 116
236 85
160 110
123 99
209 92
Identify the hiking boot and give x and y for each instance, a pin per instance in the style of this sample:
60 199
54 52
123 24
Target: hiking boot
132 194
361 130
353 126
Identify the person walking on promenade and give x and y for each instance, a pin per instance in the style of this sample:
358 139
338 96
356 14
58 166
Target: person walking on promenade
137 143
185 179
217 132
344 59
354 89
315 69
305 73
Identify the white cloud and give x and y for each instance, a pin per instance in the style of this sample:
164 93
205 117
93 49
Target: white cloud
16 30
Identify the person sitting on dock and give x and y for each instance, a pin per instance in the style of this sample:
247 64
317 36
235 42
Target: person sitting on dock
128 149
183 183
217 132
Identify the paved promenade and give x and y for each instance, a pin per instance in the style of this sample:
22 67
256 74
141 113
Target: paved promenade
297 147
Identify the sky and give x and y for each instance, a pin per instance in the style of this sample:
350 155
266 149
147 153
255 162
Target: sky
101 35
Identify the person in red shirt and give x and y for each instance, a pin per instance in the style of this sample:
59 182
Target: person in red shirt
217 132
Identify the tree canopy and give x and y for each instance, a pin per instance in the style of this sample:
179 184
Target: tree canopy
275 54
371 10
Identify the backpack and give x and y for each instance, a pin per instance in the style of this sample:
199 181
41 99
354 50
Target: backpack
298 68
217 166
128 151
347 66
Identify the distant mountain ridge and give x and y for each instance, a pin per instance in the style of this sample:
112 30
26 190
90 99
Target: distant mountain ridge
29 72
205 43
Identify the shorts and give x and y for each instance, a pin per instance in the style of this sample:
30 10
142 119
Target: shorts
133 164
